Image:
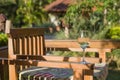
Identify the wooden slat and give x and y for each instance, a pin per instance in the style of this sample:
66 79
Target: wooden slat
38 45
111 44
89 49
10 48
58 58
108 44
71 59
34 45
25 46
42 45
59 43
54 64
17 46
21 32
30 46
20 46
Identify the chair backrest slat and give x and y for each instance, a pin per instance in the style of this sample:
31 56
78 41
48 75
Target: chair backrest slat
38 45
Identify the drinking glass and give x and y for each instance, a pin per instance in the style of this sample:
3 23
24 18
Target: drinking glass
84 43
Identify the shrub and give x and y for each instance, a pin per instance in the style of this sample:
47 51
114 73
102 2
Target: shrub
60 35
114 33
101 34
115 61
3 39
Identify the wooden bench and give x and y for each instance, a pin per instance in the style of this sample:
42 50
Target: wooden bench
26 49
72 45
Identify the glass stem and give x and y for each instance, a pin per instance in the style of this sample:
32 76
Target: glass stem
83 59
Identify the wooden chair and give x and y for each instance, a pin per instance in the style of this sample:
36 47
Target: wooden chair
26 49
24 43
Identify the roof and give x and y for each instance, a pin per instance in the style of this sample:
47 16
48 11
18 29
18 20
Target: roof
58 6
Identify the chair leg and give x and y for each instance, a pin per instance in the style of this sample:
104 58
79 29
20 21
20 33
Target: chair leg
12 72
88 74
1 72
78 75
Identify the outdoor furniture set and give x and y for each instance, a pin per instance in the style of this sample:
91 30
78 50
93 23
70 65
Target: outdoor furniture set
27 59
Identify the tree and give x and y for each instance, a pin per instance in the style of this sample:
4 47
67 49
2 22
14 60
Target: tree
8 7
24 12
92 15
30 12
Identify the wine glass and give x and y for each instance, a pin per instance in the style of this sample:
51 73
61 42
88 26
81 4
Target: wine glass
84 37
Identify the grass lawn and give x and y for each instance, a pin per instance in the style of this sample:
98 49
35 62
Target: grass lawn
114 75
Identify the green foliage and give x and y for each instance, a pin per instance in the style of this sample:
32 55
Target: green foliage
6 2
3 39
114 33
24 12
116 53
66 53
46 25
30 12
112 7
81 17
60 35
102 34
8 8
92 15
115 59
71 53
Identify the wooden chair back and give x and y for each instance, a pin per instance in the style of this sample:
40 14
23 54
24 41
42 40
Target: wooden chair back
26 41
